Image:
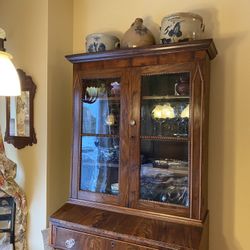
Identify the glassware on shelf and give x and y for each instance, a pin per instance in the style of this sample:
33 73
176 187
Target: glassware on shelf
114 188
164 187
170 164
182 86
185 112
91 95
115 90
110 119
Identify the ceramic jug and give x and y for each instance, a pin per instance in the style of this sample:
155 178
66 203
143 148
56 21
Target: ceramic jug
137 35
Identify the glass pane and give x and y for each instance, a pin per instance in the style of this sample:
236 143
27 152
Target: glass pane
164 171
164 138
100 136
100 164
101 106
165 105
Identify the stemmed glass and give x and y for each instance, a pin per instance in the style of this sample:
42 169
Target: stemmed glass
182 115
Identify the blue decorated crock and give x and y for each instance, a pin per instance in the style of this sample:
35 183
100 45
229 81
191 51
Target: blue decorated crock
179 27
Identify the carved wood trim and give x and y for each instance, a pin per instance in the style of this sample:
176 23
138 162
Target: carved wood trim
205 44
19 142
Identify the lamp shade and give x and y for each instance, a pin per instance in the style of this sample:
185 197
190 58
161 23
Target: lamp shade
9 80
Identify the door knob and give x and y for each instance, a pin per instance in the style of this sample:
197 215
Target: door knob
132 122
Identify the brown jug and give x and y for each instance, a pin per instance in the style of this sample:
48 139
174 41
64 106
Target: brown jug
137 35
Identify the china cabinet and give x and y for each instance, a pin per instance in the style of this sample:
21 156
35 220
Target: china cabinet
139 152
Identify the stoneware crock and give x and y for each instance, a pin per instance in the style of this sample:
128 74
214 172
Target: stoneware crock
179 27
98 42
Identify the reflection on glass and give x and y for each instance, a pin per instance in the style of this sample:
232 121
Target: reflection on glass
19 115
100 163
164 173
101 106
164 112
100 136
164 138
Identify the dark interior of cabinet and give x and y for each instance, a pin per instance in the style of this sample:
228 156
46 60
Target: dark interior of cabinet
165 83
164 143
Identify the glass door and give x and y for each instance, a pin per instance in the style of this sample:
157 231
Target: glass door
100 136
165 142
100 139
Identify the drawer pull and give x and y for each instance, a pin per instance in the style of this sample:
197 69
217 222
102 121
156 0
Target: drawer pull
70 243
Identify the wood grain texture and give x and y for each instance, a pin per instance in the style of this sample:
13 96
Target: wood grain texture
131 229
125 221
83 241
206 44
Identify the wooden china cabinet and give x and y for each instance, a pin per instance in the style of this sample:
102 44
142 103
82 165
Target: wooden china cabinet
139 152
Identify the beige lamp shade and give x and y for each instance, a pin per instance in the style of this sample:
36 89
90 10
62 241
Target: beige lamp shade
163 111
9 80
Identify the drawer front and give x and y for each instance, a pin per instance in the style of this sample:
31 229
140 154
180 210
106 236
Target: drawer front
68 239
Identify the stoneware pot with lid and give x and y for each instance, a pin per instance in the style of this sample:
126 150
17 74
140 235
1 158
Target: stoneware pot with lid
180 27
137 35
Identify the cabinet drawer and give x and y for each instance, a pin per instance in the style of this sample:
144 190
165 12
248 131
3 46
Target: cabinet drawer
68 239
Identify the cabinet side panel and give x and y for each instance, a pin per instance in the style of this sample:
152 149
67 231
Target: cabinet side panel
76 132
205 121
197 131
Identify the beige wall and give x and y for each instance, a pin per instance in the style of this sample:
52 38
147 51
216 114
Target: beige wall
26 25
38 42
60 43
39 34
227 21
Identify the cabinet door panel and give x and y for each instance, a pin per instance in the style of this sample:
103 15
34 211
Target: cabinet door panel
100 135
101 107
164 142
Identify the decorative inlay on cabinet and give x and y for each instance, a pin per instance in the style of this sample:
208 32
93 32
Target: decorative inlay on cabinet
139 153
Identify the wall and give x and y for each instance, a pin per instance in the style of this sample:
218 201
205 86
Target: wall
29 49
60 43
227 21
32 36
39 34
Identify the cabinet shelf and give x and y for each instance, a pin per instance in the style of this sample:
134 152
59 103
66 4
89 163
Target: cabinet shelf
148 170
111 98
109 165
166 97
166 138
175 97
100 135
